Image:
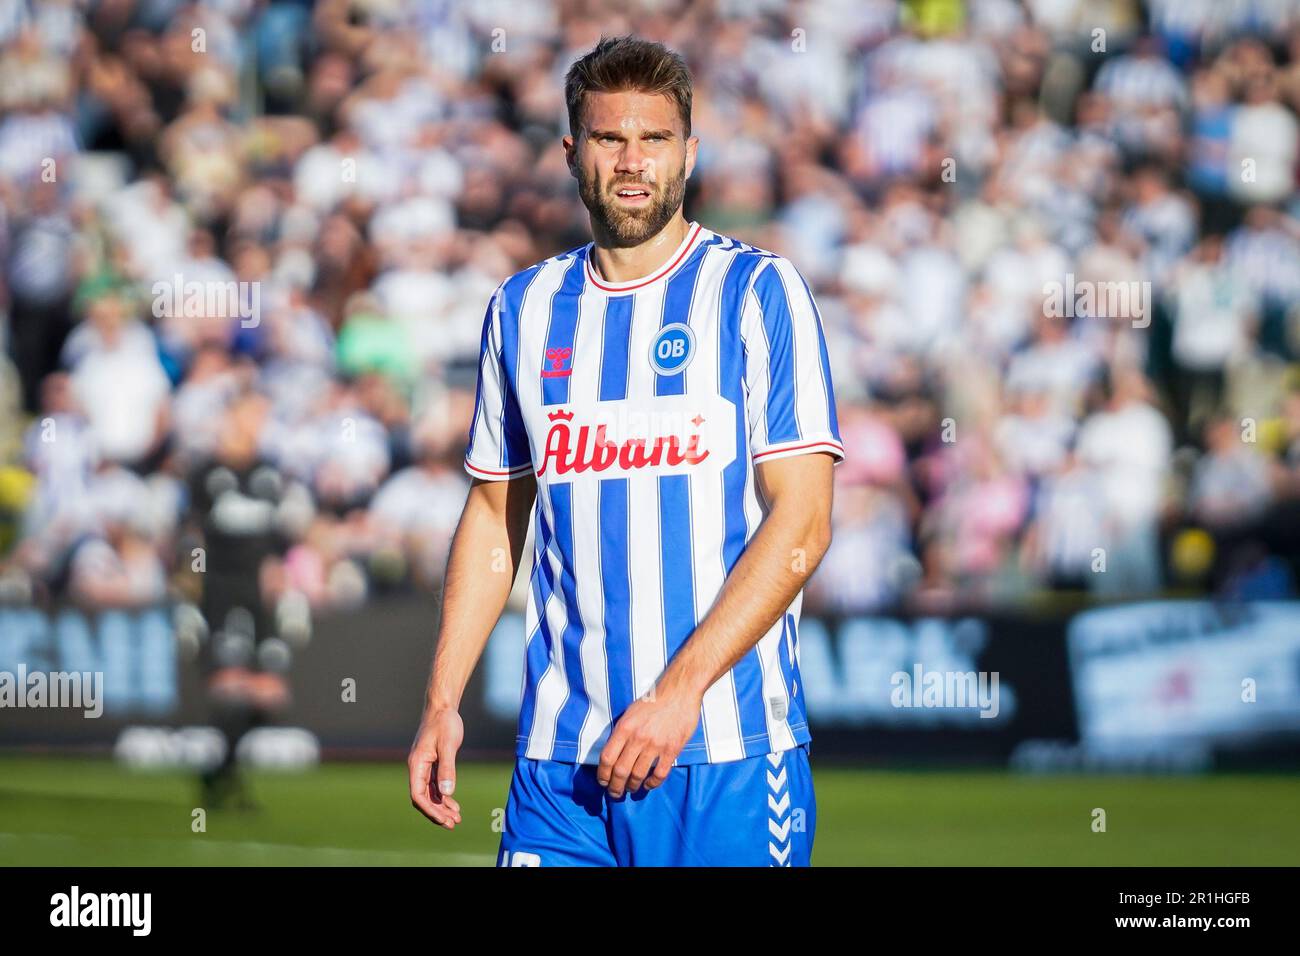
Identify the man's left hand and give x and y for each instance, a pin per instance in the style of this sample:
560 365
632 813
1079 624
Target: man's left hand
646 740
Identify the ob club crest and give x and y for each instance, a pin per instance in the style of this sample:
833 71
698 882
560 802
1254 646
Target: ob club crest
672 348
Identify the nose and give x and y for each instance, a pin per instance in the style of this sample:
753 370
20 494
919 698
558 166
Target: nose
632 158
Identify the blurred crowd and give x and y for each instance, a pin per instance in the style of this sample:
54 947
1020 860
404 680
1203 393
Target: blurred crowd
361 174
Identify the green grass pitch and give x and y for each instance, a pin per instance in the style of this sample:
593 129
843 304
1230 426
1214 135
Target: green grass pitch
89 812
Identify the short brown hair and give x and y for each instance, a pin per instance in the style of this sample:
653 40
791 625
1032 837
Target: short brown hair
621 64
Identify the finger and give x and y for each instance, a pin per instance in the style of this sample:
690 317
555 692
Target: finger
622 769
450 808
660 772
444 778
608 756
641 769
420 766
445 773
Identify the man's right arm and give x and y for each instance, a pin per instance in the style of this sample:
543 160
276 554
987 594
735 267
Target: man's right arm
481 568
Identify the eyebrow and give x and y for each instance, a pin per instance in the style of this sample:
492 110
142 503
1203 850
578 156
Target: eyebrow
618 134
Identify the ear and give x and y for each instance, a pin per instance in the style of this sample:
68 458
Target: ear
692 147
570 155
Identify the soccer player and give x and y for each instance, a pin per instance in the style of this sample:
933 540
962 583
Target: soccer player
660 400
236 497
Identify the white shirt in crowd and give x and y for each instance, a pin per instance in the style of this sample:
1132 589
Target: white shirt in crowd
121 391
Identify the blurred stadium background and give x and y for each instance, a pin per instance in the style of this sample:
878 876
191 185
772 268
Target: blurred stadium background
246 248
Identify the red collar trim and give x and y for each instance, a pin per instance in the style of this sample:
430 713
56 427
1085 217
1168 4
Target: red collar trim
633 284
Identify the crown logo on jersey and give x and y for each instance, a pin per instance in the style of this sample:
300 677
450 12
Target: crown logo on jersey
589 450
557 357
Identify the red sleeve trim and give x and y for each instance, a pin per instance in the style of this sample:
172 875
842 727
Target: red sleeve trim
781 449
491 473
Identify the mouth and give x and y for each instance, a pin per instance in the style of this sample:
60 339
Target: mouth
633 195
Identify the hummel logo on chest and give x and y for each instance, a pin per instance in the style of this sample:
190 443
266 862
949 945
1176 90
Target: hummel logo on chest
557 358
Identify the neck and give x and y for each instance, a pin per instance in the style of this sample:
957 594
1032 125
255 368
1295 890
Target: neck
625 263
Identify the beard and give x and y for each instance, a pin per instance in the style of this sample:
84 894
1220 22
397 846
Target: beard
633 226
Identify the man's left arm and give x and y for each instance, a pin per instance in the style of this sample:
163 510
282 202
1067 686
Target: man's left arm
776 563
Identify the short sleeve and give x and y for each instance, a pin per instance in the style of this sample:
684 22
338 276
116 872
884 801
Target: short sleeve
791 400
498 442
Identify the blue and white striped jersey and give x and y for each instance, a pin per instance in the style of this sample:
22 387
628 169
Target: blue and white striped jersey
642 407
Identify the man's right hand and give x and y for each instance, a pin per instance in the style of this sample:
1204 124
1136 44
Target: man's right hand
432 766
493 522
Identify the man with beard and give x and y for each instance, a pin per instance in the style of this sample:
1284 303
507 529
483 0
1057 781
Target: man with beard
660 400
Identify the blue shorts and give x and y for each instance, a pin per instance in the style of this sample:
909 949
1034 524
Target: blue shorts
755 812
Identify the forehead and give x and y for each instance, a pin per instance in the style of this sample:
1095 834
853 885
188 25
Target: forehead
631 109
